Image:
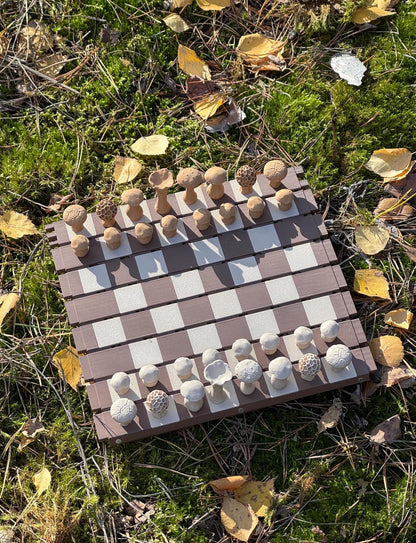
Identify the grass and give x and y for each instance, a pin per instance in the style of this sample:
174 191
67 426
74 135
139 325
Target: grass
331 487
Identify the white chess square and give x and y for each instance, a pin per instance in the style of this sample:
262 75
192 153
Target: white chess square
334 376
221 227
109 332
145 218
282 290
123 250
204 337
130 298
300 257
244 270
276 213
259 323
88 229
151 264
264 238
174 379
167 318
225 304
132 394
230 402
94 278
145 352
207 251
319 310
293 350
179 237
239 196
186 209
187 284
170 417
289 388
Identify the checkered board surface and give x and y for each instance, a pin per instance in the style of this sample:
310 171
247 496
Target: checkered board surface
150 304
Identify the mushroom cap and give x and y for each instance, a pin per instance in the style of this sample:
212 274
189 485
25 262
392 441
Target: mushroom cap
216 176
132 197
157 401
228 210
143 228
309 364
183 365
123 410
338 356
241 347
218 372
210 355
329 330
189 178
120 380
246 176
280 367
149 372
303 335
161 179
284 196
275 170
74 214
111 234
192 390
269 340
80 242
170 222
255 203
106 209
248 370
201 213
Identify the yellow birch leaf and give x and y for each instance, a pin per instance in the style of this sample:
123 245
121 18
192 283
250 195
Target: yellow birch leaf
126 169
258 494
181 3
389 162
191 64
238 519
208 106
176 23
42 480
400 318
366 15
228 484
151 145
67 362
16 225
401 175
371 283
387 350
256 48
7 304
213 5
371 239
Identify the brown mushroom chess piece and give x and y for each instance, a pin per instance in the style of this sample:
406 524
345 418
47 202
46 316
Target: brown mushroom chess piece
228 213
80 245
144 232
189 179
256 206
246 177
275 171
215 178
112 238
133 198
284 198
75 216
169 225
161 181
106 211
202 218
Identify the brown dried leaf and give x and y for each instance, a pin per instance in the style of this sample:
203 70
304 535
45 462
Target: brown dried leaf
400 318
258 494
331 417
36 38
389 209
126 169
67 361
15 225
57 200
387 350
7 303
389 162
191 64
32 427
371 283
51 65
228 484
404 187
394 376
25 441
387 431
239 520
371 239
410 251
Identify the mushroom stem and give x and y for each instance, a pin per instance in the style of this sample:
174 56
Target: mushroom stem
308 377
278 384
247 388
217 393
190 196
194 406
215 191
162 205
134 213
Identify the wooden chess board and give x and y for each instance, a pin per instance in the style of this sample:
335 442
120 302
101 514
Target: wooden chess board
150 304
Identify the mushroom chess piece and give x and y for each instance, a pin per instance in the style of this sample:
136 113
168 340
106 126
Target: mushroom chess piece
123 411
149 374
106 211
338 357
275 171
189 179
280 370
256 206
112 238
246 178
329 331
80 245
309 366
169 224
161 181
210 355
303 337
217 373
202 218
144 232
228 213
284 199
157 403
269 342
241 348
215 178
193 393
183 367
133 198
120 381
249 372
75 216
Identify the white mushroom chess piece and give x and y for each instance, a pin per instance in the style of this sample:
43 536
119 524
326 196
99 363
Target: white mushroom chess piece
123 411
149 374
217 373
269 342
183 367
241 348
193 393
303 337
309 366
329 331
210 355
120 381
280 370
157 403
338 357
249 372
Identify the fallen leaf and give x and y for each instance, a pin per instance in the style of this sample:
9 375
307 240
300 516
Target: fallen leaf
52 65
16 225
258 494
181 3
331 417
139 511
35 38
400 318
42 480
387 431
222 122
191 64
228 484
67 361
371 239
208 106
238 519
405 187
7 304
107 35
32 427
196 88
410 251
348 67
400 175
126 169
255 48
392 209
57 200
24 442
176 23
384 4
151 145
387 350
395 376
367 15
213 5
371 283
389 162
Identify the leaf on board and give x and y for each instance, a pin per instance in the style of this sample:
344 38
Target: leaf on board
67 361
151 145
331 417
369 14
51 65
16 225
258 494
400 175
228 484
389 162
7 304
176 23
387 350
400 318
126 169
392 209
387 431
213 5
371 239
348 67
371 283
181 3
238 519
191 64
256 49
208 106
42 480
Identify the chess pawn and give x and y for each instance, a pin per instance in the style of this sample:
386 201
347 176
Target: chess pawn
284 198
256 207
202 218
193 393
248 371
157 403
215 177
189 179
80 245
169 225
228 213
144 232
246 178
106 210
75 216
112 238
218 373
183 367
275 171
133 198
161 181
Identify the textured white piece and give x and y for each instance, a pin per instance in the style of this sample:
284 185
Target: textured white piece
174 379
130 298
109 332
282 290
232 360
187 284
179 237
123 250
145 352
145 218
133 393
288 389
151 264
224 304
293 351
204 337
348 67
221 227
167 318
264 238
300 257
239 196
277 214
207 251
170 417
88 229
94 278
244 270
319 310
260 322
334 376
229 403
186 209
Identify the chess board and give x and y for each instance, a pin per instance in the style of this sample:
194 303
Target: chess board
150 304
